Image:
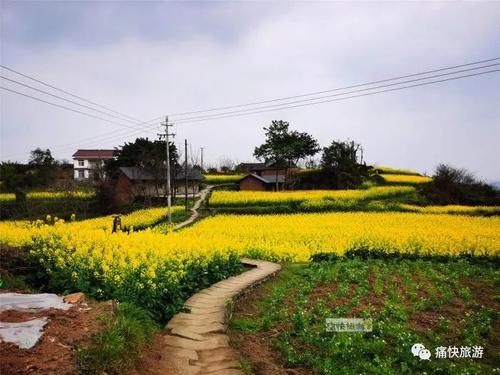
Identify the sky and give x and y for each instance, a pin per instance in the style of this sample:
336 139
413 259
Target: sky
147 59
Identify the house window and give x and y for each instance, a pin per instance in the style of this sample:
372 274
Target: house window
81 174
81 163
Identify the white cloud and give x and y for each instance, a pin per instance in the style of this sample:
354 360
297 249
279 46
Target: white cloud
293 49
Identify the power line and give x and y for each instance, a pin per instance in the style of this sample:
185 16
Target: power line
66 100
343 98
67 92
338 94
103 137
71 109
63 107
335 89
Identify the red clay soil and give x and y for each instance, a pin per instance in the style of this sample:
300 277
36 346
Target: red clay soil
54 353
149 363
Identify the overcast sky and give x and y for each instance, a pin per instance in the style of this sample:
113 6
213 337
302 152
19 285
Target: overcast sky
148 59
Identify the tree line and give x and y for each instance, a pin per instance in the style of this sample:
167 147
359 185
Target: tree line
341 166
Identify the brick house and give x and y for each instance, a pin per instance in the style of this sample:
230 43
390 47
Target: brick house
262 183
262 176
88 165
135 182
260 169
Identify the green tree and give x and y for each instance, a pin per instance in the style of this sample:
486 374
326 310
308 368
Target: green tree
41 158
41 167
451 185
285 147
342 164
150 155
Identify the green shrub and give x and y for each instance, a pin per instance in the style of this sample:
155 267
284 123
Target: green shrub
116 348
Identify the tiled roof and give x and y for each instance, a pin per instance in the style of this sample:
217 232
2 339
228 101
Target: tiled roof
192 174
94 154
137 173
271 179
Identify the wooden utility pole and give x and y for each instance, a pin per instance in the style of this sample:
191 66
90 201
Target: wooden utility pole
186 173
201 159
166 135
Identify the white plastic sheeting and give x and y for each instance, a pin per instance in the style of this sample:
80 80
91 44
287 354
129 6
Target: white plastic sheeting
23 334
26 334
26 302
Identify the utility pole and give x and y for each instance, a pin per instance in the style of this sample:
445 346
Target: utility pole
186 173
201 159
169 192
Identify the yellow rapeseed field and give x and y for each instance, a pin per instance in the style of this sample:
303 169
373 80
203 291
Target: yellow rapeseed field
288 237
153 268
19 233
221 178
391 170
48 195
405 179
297 237
254 198
136 219
452 209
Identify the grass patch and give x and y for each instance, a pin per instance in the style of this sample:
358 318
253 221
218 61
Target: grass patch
13 282
116 348
445 303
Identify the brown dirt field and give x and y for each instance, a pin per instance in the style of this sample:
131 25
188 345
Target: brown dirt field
149 363
54 353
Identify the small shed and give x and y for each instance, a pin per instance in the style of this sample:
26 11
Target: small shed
136 182
262 183
268 168
194 178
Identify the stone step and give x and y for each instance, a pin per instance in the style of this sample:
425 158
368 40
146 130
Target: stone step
196 342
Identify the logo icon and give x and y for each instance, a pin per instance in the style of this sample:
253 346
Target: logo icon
419 350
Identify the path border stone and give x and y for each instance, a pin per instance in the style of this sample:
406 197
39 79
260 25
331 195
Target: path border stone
196 342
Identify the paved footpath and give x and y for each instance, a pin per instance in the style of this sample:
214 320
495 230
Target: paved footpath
194 210
196 342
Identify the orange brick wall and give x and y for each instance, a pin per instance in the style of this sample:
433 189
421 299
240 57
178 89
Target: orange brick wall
251 183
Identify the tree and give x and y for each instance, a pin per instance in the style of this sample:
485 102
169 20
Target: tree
342 164
39 158
150 155
285 147
41 167
18 177
227 164
451 185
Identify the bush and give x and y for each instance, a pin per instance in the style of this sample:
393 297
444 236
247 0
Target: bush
117 347
458 186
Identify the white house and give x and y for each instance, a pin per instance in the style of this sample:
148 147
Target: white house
88 164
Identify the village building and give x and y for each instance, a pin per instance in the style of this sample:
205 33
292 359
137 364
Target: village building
262 176
262 183
136 182
88 165
260 169
194 178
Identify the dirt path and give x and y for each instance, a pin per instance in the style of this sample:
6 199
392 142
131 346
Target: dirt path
196 342
194 210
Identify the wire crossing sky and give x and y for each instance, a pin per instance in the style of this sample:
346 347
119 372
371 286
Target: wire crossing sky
224 70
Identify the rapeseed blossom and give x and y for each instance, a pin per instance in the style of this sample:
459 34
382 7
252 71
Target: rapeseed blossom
307 197
405 179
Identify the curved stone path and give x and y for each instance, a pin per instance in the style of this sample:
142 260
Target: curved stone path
196 342
194 210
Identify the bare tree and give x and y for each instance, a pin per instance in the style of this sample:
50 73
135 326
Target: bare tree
227 164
